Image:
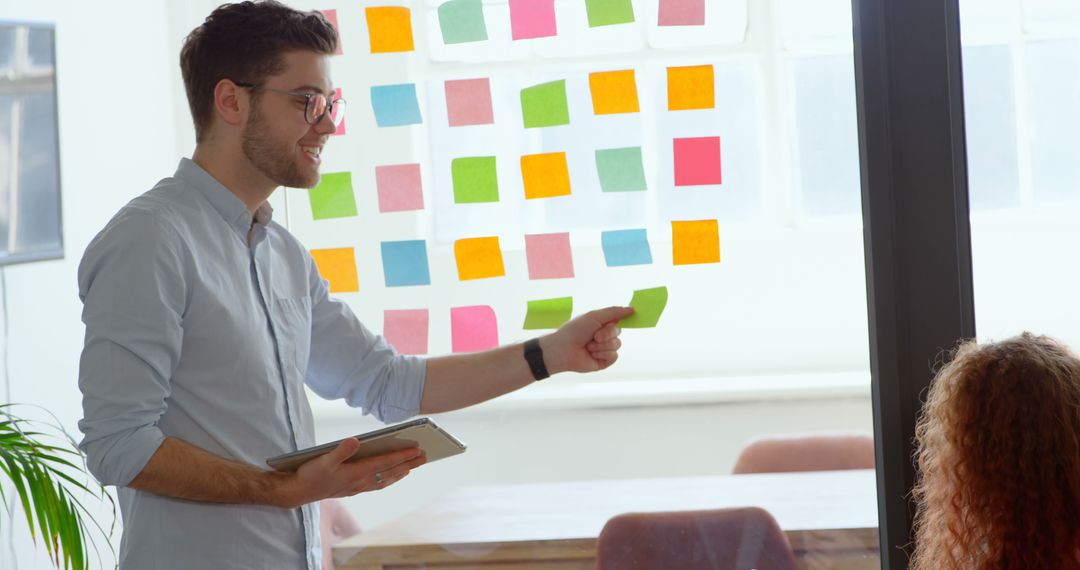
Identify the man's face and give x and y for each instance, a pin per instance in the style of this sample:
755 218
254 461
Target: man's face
277 138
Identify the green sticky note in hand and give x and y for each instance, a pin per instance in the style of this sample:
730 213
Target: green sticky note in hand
333 197
648 304
548 313
545 105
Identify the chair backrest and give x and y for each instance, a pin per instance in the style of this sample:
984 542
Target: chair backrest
806 452
335 524
721 539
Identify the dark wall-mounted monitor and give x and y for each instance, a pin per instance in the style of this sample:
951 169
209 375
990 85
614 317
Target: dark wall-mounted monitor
30 223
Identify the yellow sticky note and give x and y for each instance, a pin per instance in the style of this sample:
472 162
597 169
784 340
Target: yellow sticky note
478 258
696 241
614 92
690 88
338 266
545 175
389 28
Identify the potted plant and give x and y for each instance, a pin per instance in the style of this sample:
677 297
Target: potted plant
43 477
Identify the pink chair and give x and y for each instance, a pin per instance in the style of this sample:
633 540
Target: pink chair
723 539
806 452
335 524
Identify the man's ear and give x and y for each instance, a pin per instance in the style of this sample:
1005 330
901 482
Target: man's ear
230 101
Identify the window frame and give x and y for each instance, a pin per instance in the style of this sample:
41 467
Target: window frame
916 225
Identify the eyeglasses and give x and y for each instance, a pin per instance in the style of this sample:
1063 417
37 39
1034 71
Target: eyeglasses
317 105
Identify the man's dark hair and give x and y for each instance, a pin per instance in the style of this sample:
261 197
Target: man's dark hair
246 42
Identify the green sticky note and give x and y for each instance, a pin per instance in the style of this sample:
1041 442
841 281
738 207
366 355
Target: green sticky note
545 105
648 304
549 313
620 169
608 12
462 21
333 197
475 179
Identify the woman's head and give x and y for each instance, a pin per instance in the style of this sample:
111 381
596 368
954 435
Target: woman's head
999 459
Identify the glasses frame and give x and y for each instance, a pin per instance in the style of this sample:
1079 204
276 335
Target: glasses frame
309 98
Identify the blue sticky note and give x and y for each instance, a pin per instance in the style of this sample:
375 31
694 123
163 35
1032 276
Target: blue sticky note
405 263
395 105
625 247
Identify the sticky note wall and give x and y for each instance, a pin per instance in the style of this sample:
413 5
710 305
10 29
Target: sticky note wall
544 138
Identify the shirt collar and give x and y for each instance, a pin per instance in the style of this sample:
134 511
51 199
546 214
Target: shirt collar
231 209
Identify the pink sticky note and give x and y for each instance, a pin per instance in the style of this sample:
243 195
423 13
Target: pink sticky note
697 161
682 13
549 256
340 128
532 19
399 187
468 102
331 16
473 329
407 330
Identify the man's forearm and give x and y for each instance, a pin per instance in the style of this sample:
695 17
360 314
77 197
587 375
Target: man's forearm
460 380
183 471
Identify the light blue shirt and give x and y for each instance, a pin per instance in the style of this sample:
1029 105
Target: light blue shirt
192 333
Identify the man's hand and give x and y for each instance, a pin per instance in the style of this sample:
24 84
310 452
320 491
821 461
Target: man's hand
587 343
332 475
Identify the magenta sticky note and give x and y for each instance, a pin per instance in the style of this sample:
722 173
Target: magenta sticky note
399 187
532 19
697 161
341 127
468 102
473 329
407 330
549 256
682 13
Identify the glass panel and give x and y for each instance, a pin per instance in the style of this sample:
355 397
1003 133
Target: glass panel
40 50
29 151
7 48
709 147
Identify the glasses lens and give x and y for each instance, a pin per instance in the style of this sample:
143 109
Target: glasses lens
337 112
316 108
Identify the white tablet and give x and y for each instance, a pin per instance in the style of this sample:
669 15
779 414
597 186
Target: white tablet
422 433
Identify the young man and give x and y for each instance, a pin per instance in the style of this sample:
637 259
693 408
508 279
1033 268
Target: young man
204 319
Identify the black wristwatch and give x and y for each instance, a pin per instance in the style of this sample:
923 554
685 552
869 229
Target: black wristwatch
534 355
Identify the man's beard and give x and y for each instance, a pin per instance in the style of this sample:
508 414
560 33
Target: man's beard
276 162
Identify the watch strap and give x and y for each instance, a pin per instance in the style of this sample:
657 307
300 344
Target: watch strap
534 355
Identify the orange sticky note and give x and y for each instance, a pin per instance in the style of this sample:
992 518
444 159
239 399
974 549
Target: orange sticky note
690 88
614 92
478 258
338 266
545 175
389 28
696 241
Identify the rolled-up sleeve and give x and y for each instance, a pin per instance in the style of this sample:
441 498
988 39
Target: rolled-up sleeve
133 293
350 362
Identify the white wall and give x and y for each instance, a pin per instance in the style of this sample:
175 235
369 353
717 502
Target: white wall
110 153
115 68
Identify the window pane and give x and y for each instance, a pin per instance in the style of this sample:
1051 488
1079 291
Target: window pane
990 112
716 159
827 137
1054 93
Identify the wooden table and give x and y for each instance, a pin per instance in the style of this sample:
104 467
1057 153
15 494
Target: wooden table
830 518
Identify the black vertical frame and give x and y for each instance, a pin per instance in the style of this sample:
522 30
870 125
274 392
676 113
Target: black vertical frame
916 226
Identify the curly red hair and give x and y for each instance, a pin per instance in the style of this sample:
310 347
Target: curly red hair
999 459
